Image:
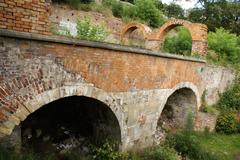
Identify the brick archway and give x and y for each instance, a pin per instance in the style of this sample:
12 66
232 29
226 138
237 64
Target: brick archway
130 27
155 39
198 33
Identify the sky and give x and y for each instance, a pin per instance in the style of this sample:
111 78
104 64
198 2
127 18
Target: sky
186 4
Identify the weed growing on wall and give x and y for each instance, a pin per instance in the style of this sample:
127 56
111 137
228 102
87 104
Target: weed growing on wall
88 31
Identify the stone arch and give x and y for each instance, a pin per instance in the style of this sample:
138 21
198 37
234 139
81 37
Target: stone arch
45 97
130 27
190 86
181 99
198 33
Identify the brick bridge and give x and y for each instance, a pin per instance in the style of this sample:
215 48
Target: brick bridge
135 84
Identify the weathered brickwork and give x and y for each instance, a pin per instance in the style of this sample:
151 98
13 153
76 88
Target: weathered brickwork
135 86
25 15
205 121
155 39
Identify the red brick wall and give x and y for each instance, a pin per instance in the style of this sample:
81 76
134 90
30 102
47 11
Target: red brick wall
25 15
109 70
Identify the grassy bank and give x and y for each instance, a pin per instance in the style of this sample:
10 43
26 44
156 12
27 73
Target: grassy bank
227 146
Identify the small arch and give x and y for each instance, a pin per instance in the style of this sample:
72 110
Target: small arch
169 25
131 27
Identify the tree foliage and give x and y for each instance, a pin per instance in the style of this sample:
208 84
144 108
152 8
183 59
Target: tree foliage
216 14
179 44
225 44
147 11
174 10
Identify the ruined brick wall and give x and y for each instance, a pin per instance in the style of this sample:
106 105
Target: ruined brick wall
156 38
25 15
205 121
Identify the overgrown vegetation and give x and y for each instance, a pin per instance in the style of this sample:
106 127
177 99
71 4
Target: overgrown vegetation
88 31
230 99
227 123
225 47
186 143
180 43
226 146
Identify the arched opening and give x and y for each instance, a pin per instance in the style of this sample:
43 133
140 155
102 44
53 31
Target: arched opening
135 37
175 112
70 123
177 40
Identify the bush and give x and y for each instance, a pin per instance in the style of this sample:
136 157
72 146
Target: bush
64 31
88 31
225 44
230 99
186 143
129 13
107 152
117 9
179 44
161 153
108 3
148 12
227 123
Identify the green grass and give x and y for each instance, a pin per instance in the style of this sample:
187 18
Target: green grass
227 146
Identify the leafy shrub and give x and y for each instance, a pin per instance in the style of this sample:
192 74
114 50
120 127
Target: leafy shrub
186 143
88 31
227 123
124 11
148 12
161 153
129 12
108 3
117 9
225 44
107 152
230 99
64 31
179 44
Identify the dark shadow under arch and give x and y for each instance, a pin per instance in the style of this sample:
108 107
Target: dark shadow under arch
175 111
76 118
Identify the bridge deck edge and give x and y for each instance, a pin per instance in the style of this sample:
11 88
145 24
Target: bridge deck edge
93 44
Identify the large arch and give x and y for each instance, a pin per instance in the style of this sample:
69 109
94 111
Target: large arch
68 123
23 110
180 100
